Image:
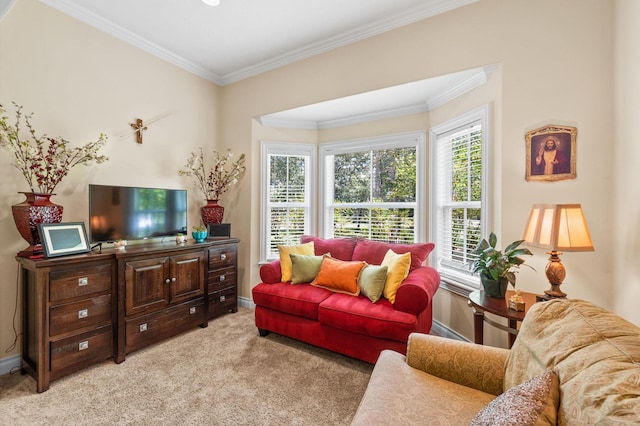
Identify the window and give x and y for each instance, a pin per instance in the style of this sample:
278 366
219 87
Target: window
373 188
288 194
459 196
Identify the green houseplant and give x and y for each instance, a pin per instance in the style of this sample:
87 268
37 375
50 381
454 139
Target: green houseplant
496 267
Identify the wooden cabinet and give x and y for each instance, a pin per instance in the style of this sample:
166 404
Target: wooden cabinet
82 309
68 315
222 277
164 295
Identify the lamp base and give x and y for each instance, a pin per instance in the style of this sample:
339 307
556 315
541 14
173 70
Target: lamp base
555 274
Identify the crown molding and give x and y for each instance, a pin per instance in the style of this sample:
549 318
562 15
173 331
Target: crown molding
427 10
5 5
409 16
284 123
374 116
129 37
476 80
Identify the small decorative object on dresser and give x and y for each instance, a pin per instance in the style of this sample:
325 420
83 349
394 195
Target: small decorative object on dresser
213 182
495 267
199 233
180 238
43 161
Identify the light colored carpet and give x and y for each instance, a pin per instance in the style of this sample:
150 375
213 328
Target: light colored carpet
224 374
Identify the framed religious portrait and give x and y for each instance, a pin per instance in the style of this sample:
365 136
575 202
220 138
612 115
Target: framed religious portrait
551 153
60 239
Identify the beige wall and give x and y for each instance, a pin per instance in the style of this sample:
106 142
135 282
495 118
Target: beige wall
624 283
80 82
555 62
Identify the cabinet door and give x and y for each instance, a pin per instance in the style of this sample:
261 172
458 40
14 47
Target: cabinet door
147 285
187 276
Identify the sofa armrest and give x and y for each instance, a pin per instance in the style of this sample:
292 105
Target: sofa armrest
475 366
271 273
417 290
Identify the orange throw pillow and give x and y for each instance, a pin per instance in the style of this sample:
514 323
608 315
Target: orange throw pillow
339 275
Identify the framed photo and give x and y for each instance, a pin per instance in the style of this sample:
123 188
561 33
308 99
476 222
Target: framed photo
60 239
551 153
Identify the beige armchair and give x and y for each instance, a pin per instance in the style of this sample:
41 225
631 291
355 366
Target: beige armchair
594 354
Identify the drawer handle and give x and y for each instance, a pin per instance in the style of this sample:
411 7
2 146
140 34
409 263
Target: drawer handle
167 281
223 256
192 310
223 298
83 345
221 277
173 280
83 281
83 313
143 327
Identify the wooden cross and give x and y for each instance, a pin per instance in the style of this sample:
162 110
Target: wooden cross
139 128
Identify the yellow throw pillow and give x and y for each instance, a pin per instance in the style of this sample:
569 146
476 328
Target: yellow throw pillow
285 260
398 269
339 275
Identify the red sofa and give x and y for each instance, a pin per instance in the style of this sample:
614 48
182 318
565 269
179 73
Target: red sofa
350 325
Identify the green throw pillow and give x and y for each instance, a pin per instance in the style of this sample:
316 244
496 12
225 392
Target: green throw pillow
372 280
304 269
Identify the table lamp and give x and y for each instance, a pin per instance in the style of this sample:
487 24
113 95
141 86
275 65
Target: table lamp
558 228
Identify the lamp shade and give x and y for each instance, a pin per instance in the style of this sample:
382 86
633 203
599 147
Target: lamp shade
558 227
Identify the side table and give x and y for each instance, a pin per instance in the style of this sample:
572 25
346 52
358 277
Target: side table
480 304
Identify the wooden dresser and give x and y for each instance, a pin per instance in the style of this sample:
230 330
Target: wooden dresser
82 309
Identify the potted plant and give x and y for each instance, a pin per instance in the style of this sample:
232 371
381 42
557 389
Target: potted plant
495 267
199 233
180 238
214 181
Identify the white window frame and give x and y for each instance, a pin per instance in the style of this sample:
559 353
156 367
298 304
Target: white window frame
454 276
401 140
294 149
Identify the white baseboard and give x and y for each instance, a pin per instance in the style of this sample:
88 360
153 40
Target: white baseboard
444 331
8 364
246 303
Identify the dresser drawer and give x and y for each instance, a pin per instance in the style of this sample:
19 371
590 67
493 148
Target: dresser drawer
147 329
221 278
223 301
76 352
78 315
79 282
222 256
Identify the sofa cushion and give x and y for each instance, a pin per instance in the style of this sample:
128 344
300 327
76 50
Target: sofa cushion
304 269
285 259
359 315
373 252
595 354
299 299
400 395
372 280
397 270
339 275
340 248
532 403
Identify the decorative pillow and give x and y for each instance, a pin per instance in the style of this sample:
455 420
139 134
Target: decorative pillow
285 260
304 269
373 252
398 269
340 248
534 402
372 280
339 276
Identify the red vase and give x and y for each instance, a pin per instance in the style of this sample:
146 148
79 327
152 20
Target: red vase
212 212
36 208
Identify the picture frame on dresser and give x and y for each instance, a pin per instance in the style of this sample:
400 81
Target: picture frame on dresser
61 239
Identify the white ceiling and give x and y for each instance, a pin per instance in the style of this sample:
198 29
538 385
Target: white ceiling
242 38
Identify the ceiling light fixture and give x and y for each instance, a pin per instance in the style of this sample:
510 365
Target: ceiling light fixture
211 2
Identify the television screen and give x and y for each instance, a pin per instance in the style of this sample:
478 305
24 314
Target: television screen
128 213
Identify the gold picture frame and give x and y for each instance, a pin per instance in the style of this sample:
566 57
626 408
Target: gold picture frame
551 153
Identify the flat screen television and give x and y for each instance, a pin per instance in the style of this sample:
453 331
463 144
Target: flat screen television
131 213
